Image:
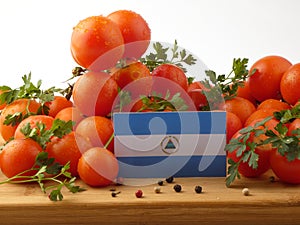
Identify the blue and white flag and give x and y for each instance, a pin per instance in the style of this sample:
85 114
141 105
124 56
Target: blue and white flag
163 144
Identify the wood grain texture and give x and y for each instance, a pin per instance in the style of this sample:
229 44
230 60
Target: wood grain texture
268 203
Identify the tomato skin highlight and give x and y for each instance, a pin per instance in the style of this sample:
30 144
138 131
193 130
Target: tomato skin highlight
135 31
97 43
286 171
98 167
19 155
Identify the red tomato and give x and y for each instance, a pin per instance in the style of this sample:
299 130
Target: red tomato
98 167
98 129
233 125
129 73
241 107
273 104
263 152
245 92
22 106
97 43
170 81
19 155
33 120
70 113
293 126
135 30
94 93
57 104
171 72
289 84
259 114
195 92
247 171
286 171
68 149
265 82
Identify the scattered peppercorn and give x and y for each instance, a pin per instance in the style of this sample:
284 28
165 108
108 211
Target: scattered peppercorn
160 183
245 191
114 194
170 179
272 179
157 189
112 189
177 187
198 189
139 193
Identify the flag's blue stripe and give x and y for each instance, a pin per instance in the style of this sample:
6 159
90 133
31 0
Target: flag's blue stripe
169 123
145 167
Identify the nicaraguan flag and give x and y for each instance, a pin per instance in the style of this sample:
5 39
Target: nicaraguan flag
163 144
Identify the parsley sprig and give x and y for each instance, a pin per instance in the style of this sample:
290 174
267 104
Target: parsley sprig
222 87
42 135
27 91
157 102
57 175
162 55
286 145
245 149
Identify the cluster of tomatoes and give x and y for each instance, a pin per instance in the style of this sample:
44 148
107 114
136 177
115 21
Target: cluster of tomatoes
97 44
273 86
107 49
113 79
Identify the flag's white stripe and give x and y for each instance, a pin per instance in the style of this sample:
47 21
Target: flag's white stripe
154 145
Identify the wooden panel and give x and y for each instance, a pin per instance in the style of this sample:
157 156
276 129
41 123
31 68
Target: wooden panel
268 203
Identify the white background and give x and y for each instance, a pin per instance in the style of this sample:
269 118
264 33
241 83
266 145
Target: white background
35 34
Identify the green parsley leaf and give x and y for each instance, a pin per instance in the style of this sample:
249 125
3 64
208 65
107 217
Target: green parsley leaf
163 55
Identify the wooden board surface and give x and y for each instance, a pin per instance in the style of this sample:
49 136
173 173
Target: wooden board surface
268 203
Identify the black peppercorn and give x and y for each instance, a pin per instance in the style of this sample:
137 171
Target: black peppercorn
177 188
198 189
160 183
170 179
114 194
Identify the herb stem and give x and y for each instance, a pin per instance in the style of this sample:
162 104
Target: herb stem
109 141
